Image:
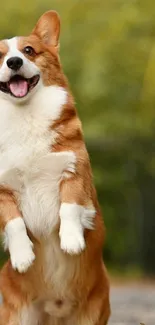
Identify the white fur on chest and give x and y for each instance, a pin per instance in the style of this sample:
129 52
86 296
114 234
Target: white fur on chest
40 199
25 132
25 142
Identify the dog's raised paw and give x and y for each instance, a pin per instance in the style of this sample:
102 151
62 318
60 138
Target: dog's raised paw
22 256
72 242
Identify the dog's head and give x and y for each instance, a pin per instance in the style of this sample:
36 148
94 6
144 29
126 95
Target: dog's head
29 62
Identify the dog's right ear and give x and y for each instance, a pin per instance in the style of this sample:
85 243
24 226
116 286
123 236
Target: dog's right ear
48 28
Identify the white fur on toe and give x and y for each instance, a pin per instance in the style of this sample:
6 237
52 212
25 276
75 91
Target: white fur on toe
22 257
74 218
19 245
72 240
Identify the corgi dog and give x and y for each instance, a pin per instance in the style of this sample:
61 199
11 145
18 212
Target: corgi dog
49 213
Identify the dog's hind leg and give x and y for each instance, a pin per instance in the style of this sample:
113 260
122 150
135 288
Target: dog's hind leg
31 314
96 310
8 316
28 315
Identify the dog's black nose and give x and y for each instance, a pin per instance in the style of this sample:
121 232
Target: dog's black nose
15 63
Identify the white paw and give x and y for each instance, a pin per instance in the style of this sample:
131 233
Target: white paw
72 241
22 255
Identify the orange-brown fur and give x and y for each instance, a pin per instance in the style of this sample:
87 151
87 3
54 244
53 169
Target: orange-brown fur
89 285
8 206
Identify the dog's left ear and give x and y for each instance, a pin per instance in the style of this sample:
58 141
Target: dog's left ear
48 28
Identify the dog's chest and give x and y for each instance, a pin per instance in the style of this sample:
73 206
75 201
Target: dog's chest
25 132
39 193
25 140
39 200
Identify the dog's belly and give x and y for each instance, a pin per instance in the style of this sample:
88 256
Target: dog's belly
37 180
40 192
39 203
58 299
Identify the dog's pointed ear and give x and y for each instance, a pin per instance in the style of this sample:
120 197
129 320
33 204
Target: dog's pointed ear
48 28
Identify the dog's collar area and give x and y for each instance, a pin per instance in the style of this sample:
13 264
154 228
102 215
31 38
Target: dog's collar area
18 86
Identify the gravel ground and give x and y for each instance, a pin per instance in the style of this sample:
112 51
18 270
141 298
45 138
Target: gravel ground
132 305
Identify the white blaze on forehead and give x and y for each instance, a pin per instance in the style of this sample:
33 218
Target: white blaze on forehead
12 44
28 69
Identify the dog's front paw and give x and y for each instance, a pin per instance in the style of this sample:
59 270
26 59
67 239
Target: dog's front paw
72 241
22 255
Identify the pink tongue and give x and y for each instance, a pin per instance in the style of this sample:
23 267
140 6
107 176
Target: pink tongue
19 88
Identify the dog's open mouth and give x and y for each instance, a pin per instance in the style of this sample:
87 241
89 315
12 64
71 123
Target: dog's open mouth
19 86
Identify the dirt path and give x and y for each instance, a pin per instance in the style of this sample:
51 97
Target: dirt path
132 305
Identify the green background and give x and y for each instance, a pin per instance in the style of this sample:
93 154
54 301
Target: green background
107 50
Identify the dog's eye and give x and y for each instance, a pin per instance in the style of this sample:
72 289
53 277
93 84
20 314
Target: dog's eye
29 50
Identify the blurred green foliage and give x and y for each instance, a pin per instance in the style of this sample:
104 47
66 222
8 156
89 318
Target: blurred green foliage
108 53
